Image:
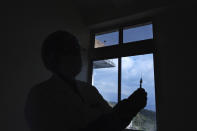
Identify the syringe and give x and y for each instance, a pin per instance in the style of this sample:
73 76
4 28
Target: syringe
141 82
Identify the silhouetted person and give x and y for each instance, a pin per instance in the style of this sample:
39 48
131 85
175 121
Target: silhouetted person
65 104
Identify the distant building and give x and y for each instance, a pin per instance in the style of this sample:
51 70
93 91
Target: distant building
98 44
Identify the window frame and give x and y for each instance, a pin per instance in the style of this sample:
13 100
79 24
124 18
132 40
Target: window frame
122 50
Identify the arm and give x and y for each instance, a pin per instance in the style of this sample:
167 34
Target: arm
101 103
121 115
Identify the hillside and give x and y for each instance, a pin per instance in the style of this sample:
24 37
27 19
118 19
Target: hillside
145 120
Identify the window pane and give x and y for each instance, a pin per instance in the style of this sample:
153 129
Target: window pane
106 39
105 79
138 33
133 68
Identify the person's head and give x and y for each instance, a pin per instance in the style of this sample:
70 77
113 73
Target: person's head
61 54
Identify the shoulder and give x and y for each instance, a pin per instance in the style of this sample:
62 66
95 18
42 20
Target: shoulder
89 91
82 84
86 86
38 90
39 87
93 96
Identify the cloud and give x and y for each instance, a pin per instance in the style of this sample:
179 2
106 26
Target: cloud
127 63
107 89
137 65
106 86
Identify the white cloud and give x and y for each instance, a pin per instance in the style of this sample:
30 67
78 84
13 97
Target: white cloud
106 86
127 63
140 65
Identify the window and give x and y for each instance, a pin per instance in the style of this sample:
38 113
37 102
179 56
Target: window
117 69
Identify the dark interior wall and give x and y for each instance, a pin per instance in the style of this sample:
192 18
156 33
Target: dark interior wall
175 64
26 25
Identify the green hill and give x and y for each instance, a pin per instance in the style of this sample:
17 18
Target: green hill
145 120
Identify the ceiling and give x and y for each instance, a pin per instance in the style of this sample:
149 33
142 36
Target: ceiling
96 11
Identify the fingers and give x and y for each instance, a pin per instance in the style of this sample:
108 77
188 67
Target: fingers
139 98
140 92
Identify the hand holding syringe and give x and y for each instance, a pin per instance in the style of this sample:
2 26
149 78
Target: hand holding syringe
139 95
128 108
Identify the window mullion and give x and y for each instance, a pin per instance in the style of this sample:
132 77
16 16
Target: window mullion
119 65
119 79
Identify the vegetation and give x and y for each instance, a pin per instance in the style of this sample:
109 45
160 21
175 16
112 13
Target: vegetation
145 120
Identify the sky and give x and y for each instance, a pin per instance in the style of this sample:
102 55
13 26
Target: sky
133 67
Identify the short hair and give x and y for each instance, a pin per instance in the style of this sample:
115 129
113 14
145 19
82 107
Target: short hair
57 44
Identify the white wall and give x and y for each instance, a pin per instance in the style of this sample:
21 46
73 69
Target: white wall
26 24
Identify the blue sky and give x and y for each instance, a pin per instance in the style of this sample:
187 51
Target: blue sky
106 79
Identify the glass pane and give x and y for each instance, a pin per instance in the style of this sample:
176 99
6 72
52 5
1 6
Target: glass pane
106 39
105 79
138 33
133 67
